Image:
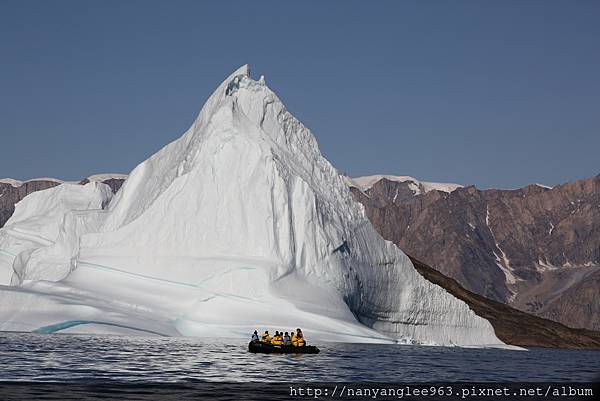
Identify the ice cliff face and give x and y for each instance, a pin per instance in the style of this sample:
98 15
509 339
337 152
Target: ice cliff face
242 224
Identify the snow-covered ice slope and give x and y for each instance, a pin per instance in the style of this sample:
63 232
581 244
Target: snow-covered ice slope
242 224
41 237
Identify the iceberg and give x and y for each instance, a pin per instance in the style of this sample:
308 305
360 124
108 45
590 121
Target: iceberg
40 239
240 224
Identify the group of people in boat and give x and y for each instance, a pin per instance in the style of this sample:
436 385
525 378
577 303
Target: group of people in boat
280 338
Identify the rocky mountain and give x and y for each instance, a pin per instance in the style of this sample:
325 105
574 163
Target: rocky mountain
511 325
579 304
12 191
535 248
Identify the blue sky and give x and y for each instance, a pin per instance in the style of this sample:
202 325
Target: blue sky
496 94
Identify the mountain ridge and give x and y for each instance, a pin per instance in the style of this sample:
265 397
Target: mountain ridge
508 245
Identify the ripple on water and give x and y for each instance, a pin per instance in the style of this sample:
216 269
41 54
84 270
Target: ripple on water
53 357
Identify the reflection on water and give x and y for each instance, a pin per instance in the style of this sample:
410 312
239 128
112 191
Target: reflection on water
63 357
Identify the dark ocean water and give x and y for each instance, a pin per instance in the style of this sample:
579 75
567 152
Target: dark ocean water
63 357
148 368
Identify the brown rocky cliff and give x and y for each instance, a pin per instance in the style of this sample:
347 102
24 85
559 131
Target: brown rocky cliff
499 243
512 326
579 305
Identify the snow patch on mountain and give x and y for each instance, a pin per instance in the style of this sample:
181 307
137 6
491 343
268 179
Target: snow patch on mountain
10 181
18 183
502 260
417 186
106 177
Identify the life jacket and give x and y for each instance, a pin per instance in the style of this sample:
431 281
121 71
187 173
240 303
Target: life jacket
300 340
294 340
266 338
277 340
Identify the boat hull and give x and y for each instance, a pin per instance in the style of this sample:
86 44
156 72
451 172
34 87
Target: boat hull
263 348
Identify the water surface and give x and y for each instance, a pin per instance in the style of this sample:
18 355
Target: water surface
68 358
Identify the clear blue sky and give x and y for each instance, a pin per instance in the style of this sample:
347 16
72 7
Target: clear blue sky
492 93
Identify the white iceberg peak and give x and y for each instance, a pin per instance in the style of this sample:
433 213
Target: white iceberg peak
242 223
